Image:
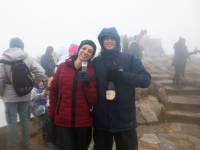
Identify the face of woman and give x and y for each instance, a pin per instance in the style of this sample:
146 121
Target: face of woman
85 52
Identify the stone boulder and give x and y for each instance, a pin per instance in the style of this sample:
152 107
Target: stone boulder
162 95
148 110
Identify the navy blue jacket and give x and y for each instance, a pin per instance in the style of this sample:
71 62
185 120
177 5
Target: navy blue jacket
121 114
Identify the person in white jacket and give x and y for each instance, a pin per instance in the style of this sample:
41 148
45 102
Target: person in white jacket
14 104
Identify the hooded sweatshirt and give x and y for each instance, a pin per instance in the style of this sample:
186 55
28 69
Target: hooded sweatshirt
7 90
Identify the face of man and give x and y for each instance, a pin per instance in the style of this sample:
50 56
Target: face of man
109 43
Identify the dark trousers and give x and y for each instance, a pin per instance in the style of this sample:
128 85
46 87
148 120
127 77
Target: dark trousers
179 75
124 140
73 138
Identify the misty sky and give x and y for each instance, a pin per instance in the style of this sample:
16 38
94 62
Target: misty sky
60 22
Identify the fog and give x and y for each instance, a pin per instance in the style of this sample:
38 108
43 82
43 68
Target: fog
60 22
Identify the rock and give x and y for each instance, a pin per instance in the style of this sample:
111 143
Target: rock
167 147
185 147
166 138
150 139
197 147
148 113
145 146
193 139
150 109
162 95
140 118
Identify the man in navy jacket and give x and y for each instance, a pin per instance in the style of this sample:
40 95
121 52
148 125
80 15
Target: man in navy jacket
115 113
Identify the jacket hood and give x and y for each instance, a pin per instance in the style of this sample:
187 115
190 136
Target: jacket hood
12 54
110 32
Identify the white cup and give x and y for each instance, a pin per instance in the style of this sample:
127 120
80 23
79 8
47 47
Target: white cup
84 66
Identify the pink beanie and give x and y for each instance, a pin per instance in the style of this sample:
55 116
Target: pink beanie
73 49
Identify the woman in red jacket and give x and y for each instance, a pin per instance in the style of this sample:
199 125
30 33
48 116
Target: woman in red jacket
72 96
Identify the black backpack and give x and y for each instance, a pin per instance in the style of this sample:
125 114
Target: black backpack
22 79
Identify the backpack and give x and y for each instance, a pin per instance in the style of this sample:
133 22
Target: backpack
22 79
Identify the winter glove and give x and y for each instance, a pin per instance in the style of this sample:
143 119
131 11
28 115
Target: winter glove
84 77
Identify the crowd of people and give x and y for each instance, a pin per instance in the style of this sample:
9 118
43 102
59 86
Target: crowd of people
80 96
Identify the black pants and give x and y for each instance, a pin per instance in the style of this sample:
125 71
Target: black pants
73 138
125 140
179 75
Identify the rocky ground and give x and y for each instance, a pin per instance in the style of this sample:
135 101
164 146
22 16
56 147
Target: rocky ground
169 136
168 117
178 126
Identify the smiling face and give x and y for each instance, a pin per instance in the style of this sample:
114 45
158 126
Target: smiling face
85 52
109 43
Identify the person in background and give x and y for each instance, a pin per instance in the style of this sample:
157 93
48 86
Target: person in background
181 55
48 61
135 49
72 50
118 74
141 39
72 96
14 104
39 100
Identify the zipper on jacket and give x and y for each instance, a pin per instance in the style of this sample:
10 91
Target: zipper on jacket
58 105
74 88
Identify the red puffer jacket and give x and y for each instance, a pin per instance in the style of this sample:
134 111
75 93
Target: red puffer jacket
71 99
